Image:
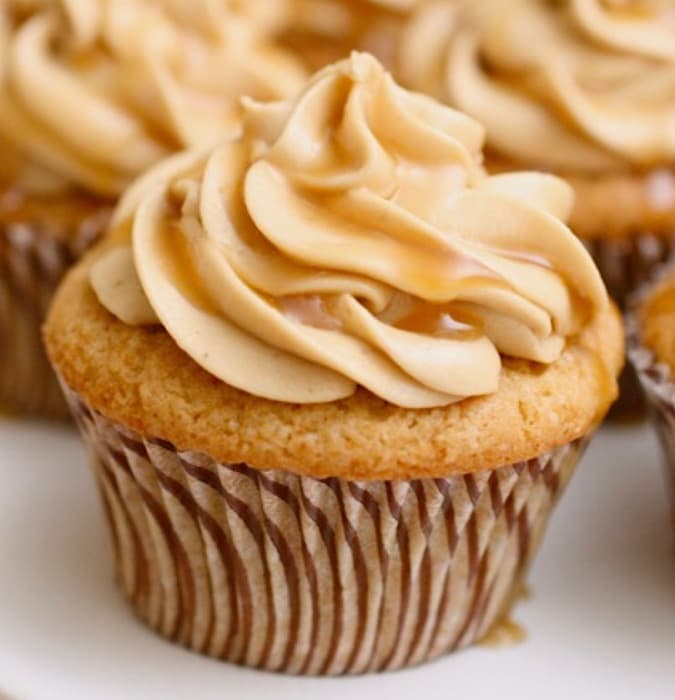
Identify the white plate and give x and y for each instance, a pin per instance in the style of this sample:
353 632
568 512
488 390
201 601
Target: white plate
600 622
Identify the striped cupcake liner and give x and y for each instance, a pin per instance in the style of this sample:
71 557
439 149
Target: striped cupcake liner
626 265
657 384
287 573
32 263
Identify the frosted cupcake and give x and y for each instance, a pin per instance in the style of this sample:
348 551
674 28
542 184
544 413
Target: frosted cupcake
333 379
581 88
91 95
651 330
323 31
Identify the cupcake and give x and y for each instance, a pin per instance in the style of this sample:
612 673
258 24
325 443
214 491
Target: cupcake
91 95
580 88
323 31
651 331
333 378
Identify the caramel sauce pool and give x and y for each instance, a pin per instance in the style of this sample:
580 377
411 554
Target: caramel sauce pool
506 633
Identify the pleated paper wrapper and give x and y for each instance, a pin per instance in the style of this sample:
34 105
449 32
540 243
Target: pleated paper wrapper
32 263
294 574
626 264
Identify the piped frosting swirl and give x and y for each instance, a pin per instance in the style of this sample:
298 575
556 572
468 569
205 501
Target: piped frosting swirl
572 85
351 237
327 30
96 91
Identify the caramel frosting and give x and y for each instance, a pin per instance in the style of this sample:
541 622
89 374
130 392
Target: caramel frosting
337 26
345 17
571 85
96 91
263 16
348 237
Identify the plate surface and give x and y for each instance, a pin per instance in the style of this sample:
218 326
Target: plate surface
600 621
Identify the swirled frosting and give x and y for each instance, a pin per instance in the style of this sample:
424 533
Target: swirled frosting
263 16
326 30
573 85
96 91
351 237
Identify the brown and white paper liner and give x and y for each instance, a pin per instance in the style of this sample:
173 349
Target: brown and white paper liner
316 576
32 263
626 265
659 390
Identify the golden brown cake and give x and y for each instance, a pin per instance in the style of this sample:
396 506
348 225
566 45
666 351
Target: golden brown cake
333 378
91 95
656 317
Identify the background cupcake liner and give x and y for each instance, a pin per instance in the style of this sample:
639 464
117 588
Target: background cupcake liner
32 263
289 573
658 387
625 265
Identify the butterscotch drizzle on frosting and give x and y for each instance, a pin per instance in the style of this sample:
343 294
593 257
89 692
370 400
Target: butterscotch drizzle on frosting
311 310
297 261
94 92
572 85
440 320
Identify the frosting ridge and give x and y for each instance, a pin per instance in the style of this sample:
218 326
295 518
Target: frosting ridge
327 30
576 85
350 236
97 91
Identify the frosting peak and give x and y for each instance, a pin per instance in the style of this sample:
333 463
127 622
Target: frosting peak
575 85
96 91
351 237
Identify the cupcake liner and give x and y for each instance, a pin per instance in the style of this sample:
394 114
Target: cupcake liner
658 386
32 262
294 574
625 265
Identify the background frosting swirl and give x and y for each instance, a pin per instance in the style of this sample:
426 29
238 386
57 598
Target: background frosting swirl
95 91
575 85
351 237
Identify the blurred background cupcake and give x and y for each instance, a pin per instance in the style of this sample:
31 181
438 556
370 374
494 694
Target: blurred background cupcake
581 88
92 94
651 338
323 31
333 379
